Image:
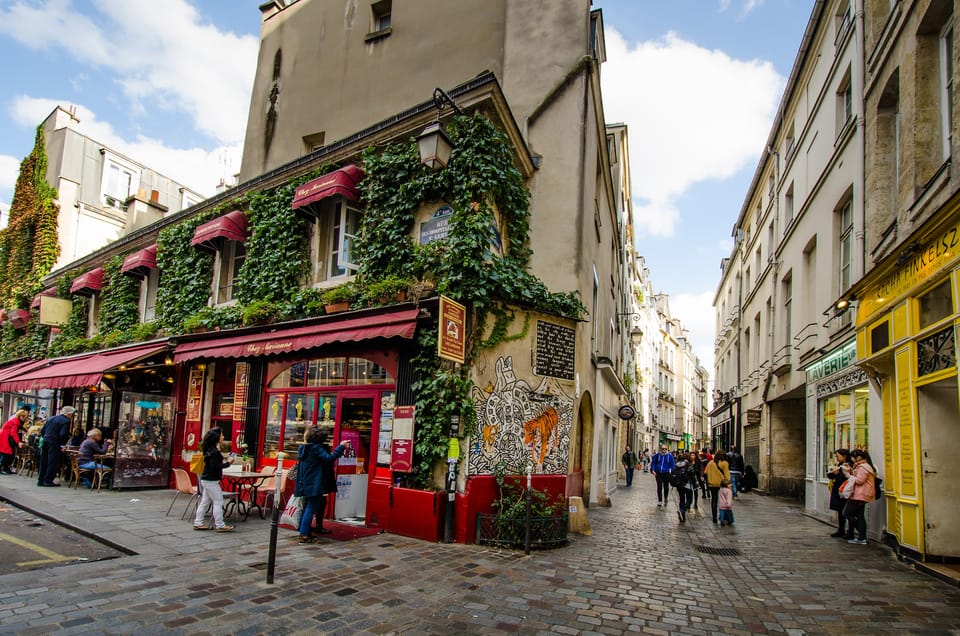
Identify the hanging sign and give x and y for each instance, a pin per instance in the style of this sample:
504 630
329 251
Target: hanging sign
452 343
401 459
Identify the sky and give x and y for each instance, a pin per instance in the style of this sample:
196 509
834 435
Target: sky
697 82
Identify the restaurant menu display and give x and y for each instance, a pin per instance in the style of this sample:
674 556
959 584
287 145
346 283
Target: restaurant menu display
143 440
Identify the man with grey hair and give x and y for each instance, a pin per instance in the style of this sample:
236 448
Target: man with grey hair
55 433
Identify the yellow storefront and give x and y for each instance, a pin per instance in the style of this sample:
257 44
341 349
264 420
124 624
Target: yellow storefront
907 319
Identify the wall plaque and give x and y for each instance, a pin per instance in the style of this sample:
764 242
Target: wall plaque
556 346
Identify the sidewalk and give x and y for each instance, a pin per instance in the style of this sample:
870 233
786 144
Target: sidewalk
640 572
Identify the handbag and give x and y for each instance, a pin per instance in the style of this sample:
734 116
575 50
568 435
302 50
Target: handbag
846 489
292 512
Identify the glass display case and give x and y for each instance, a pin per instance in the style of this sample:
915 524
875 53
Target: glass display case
143 440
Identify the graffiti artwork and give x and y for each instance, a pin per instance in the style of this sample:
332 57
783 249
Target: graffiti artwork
519 424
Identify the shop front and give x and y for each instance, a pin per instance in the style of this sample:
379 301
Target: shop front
265 389
838 401
907 320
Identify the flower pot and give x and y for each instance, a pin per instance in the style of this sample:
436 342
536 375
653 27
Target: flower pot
336 307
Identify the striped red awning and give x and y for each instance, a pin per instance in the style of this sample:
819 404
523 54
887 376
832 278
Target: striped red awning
401 324
342 182
231 226
88 284
140 263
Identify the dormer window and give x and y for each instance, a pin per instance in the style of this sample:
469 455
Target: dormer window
120 180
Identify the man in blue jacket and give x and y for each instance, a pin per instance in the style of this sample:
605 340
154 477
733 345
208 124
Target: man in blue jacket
55 432
661 466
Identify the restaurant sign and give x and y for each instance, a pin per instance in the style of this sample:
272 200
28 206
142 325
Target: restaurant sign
452 340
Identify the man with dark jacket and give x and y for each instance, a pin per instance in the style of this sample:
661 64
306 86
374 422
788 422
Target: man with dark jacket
55 433
661 466
735 460
629 461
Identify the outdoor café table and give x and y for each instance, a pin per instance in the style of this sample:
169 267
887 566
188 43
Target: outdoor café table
235 482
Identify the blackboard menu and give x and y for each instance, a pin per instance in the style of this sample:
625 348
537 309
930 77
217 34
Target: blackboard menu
556 346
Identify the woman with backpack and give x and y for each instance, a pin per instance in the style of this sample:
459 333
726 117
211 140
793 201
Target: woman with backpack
836 476
864 476
716 471
213 463
684 479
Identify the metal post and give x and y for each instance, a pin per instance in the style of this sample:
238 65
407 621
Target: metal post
526 538
453 454
275 520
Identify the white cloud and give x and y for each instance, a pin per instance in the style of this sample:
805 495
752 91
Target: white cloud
163 57
198 168
693 114
697 316
9 170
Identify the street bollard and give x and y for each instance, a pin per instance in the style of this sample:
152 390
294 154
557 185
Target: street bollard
526 538
275 520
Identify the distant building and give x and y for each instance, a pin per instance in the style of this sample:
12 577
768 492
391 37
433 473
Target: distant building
103 195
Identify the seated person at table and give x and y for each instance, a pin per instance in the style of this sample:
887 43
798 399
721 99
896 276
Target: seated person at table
90 447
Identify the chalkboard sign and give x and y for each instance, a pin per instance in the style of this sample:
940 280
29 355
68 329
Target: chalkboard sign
556 346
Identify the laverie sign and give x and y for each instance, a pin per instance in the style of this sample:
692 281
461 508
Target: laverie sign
836 361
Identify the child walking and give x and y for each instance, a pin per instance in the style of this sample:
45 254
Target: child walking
725 503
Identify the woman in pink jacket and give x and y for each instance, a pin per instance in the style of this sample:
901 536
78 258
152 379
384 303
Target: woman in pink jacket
10 440
864 475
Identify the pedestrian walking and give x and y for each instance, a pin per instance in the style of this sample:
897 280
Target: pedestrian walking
314 459
864 491
213 463
10 440
716 471
629 461
683 480
735 460
699 485
837 476
55 433
661 466
725 503
646 460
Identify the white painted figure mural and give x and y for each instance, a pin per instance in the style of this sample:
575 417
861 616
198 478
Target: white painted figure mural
518 424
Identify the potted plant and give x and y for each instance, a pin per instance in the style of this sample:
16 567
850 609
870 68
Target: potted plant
388 289
213 318
340 298
260 312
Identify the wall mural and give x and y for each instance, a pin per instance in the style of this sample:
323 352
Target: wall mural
518 424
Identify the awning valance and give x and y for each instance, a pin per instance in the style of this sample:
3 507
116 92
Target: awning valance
140 263
88 284
81 370
401 324
231 226
49 291
17 368
341 182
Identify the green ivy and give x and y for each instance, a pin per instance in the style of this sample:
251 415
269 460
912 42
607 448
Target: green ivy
185 273
119 307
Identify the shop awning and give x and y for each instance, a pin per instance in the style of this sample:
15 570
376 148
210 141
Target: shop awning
81 370
341 182
140 263
89 283
49 291
401 324
17 368
231 226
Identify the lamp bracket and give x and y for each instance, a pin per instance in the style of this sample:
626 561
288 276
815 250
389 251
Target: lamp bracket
440 98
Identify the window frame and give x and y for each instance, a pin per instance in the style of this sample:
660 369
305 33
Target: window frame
115 199
227 268
946 52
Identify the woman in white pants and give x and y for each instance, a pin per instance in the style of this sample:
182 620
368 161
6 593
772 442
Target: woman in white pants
213 463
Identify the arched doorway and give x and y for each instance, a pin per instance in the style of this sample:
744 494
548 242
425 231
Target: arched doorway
582 451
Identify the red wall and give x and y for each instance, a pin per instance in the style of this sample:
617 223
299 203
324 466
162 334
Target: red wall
482 490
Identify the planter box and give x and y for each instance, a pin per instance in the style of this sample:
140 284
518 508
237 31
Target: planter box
417 513
511 532
336 308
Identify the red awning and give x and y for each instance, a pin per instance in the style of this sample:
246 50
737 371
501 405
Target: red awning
16 368
140 263
88 283
231 226
81 370
49 291
401 324
341 182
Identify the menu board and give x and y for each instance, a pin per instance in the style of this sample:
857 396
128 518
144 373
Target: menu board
556 346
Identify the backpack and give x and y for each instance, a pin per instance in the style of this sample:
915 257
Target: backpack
196 464
877 487
679 478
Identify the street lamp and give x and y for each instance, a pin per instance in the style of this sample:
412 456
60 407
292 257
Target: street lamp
434 144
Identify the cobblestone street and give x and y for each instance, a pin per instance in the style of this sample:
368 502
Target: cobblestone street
641 571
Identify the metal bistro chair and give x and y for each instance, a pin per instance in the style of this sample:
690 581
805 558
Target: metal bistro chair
75 472
185 486
253 493
27 460
268 489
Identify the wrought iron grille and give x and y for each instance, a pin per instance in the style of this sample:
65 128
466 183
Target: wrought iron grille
510 532
706 549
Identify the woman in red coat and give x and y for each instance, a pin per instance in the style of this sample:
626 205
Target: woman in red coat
10 440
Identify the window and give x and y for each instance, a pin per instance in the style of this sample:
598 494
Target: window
788 209
946 88
844 424
843 23
845 256
120 180
93 314
936 304
758 261
381 15
313 142
595 310
333 238
844 103
787 310
229 260
188 198
148 295
771 242
789 144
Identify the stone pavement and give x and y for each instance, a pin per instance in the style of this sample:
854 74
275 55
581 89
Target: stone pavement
640 572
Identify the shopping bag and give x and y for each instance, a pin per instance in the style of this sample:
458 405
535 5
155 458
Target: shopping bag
290 517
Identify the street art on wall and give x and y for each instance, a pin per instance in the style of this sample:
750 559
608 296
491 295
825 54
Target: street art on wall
519 424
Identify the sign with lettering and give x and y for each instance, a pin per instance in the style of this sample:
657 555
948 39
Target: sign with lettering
833 362
452 340
556 348
401 459
437 227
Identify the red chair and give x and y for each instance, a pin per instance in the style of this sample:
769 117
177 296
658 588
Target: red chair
185 486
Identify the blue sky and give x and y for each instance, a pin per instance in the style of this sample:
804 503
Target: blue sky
696 81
